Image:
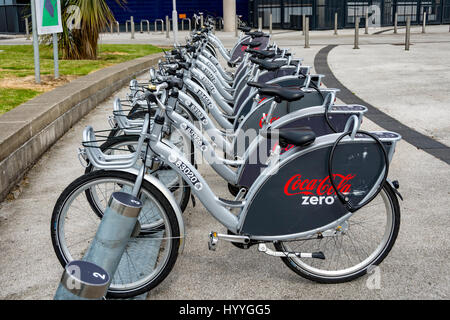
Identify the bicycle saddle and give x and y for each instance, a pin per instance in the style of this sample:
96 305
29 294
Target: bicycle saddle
260 85
253 44
282 94
299 137
245 29
264 54
267 65
256 34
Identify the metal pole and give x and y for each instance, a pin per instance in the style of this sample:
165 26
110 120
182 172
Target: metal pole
201 19
356 33
335 23
111 26
367 22
114 232
167 27
236 26
303 23
260 23
55 55
132 27
270 23
408 34
395 22
424 21
27 27
82 280
175 21
37 68
307 32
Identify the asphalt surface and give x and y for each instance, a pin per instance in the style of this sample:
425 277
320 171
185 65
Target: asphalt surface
418 265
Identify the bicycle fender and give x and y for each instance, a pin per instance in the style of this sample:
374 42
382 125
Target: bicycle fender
158 184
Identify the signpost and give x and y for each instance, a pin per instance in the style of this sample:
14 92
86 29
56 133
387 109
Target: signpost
47 17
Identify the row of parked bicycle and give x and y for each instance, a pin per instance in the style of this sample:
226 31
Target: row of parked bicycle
306 183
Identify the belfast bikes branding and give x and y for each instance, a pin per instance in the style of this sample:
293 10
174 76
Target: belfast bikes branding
318 191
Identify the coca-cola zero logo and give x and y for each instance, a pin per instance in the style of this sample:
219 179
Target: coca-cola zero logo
317 191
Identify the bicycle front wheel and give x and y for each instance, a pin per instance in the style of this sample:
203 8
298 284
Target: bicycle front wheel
148 257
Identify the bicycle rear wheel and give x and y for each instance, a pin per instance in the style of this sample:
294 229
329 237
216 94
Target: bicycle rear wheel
364 240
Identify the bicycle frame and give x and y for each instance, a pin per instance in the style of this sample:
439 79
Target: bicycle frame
217 207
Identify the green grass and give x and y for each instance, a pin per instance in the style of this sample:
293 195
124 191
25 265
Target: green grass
18 62
11 98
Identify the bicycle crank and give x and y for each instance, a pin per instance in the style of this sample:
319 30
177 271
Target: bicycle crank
284 254
214 239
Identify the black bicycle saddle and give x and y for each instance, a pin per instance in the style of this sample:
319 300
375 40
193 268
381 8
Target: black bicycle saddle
299 137
267 65
256 34
282 94
253 44
245 29
264 54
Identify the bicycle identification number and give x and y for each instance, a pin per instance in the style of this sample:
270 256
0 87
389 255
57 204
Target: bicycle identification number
186 171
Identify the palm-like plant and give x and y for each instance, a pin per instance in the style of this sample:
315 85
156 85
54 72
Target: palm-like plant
95 16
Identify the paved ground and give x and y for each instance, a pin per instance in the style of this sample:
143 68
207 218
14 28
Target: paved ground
417 267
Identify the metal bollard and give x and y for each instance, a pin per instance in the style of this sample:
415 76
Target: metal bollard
307 33
111 26
303 23
259 23
270 23
335 23
118 27
201 19
182 23
366 31
236 24
82 280
126 26
27 29
114 232
132 27
148 26
356 46
408 33
162 25
424 21
167 27
395 23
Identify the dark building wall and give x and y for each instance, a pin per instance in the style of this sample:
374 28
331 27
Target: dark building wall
12 13
158 9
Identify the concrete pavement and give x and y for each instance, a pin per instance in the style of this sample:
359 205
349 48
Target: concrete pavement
417 267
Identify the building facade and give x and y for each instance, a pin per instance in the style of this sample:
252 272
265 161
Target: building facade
12 15
286 14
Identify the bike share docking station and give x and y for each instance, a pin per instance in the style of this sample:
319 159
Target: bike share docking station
90 279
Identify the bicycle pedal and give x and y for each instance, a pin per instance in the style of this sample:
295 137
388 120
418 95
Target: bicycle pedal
213 240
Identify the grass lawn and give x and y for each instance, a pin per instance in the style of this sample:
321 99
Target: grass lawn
17 69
